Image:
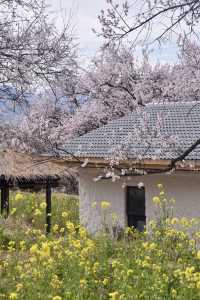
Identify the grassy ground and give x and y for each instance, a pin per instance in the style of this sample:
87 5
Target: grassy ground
30 208
161 263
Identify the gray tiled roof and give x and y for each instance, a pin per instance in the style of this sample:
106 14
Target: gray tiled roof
167 131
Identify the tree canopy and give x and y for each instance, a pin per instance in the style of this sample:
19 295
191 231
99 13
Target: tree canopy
71 100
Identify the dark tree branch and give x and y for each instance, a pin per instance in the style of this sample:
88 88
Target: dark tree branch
122 87
170 8
116 25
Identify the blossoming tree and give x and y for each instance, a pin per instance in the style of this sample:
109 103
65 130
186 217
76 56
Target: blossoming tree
115 82
34 53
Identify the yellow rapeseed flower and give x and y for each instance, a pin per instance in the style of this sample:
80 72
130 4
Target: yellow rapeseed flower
43 205
115 263
11 245
37 212
162 193
160 186
189 272
70 226
19 197
174 221
22 245
156 200
76 244
105 204
198 254
197 234
55 228
57 298
173 293
34 249
65 214
62 229
83 283
114 296
13 296
82 233
130 272
149 246
156 268
152 224
198 284
19 286
114 217
105 281
55 282
13 211
192 243
45 250
185 222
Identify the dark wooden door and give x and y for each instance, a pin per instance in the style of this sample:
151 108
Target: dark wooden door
136 207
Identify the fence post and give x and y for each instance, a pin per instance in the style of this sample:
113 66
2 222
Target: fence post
5 199
48 206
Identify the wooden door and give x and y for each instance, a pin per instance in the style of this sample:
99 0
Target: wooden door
136 207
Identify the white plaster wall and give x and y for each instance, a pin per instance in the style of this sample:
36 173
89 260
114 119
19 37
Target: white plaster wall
184 187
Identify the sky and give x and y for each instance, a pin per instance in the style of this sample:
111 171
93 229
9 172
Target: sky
84 18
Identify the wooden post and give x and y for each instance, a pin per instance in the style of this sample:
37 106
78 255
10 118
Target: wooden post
48 206
5 200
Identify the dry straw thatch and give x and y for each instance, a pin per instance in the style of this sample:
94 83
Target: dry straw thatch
14 165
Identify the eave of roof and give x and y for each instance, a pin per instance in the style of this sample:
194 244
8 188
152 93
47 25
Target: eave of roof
145 164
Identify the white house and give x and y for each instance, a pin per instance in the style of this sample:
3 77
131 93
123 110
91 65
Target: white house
140 148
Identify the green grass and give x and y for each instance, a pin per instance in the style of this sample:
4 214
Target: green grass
30 208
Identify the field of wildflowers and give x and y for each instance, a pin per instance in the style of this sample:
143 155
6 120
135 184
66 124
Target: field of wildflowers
161 263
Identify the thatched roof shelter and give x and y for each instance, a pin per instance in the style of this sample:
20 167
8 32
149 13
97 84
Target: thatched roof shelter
17 168
28 171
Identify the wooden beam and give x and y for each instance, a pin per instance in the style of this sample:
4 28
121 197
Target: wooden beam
48 207
145 164
5 200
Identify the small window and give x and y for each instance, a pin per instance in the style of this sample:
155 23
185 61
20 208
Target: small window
136 207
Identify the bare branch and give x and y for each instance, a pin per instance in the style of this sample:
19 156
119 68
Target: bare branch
117 24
